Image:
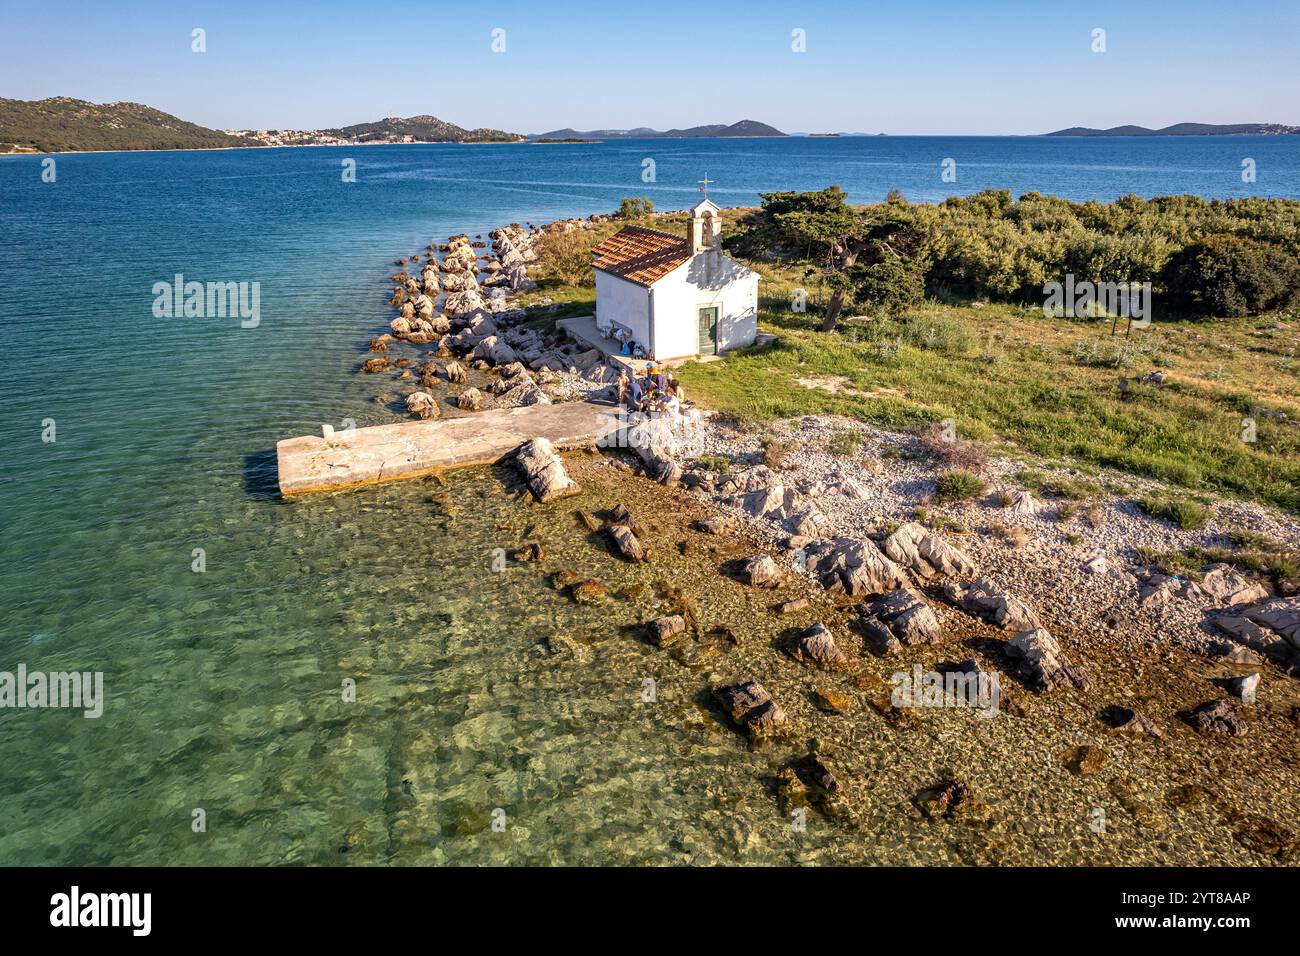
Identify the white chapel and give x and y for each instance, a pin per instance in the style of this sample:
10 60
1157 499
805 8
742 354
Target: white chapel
672 297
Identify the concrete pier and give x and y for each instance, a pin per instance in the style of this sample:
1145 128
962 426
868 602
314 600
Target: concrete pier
366 456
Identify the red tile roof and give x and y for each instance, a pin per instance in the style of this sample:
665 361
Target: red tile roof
641 255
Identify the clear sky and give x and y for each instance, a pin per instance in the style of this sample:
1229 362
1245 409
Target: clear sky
919 67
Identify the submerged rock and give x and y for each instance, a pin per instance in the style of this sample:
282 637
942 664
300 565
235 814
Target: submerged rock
1218 717
626 543
380 363
1042 664
752 707
951 799
664 630
1125 720
832 701
817 646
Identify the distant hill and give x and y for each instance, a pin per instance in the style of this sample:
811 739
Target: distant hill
743 128
62 123
1185 129
422 129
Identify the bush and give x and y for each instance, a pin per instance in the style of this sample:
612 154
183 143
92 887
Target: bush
634 207
890 285
1232 276
958 485
566 257
1188 515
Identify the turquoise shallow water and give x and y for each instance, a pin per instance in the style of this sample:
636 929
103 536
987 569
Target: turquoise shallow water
223 687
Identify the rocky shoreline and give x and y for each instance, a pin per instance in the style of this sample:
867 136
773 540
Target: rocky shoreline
458 300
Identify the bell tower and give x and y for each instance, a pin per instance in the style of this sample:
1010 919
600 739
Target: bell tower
706 227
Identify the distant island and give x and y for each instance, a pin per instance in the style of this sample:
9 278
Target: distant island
64 124
743 128
1185 129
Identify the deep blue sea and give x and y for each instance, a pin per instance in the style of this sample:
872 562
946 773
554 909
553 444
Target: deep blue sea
222 685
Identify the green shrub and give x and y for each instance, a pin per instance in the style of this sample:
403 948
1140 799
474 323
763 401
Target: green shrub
717 463
958 485
1230 276
1188 515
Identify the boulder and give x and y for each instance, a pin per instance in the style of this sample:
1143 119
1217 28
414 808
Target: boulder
752 707
379 363
400 326
1023 503
665 630
470 400
1271 628
926 554
900 619
817 646
718 524
423 405
1230 587
1218 717
544 471
380 343
759 571
626 542
525 392
1244 688
456 373
855 566
1042 664
465 301
985 599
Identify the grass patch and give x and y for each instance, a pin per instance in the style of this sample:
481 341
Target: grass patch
845 442
1187 515
958 485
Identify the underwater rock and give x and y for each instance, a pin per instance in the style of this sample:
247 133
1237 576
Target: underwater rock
380 363
1042 664
752 707
588 592
1085 760
816 645
950 799
664 630
1125 720
626 543
832 701
1218 717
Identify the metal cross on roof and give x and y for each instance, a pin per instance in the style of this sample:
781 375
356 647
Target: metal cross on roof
704 184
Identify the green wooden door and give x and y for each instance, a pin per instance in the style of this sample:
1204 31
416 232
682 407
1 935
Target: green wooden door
709 330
